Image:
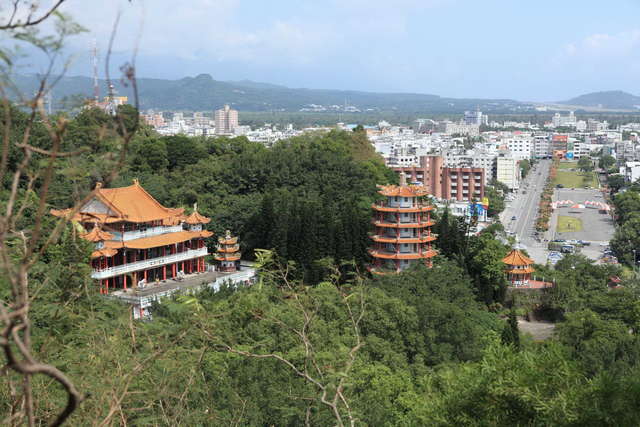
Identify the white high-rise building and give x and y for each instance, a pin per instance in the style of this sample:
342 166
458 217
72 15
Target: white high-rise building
226 120
521 146
507 171
475 118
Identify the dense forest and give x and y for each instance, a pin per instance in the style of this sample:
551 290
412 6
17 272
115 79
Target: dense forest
317 341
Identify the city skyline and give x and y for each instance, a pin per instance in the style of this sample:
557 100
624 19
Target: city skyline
452 48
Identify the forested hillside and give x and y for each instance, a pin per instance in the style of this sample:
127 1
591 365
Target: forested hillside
203 93
317 341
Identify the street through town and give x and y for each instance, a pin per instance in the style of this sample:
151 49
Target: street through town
525 209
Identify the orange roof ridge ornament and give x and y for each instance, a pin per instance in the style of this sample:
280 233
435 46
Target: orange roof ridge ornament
196 218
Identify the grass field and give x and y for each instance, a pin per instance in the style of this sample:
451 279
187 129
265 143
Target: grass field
568 223
567 165
575 179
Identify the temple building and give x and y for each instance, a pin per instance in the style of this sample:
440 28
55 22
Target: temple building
518 268
403 224
227 253
137 240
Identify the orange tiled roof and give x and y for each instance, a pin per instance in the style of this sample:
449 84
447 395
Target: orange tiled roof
521 270
196 218
97 235
108 252
160 240
403 190
227 239
131 204
134 204
515 257
85 216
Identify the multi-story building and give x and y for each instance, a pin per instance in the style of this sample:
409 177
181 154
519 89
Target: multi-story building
559 145
486 161
226 120
137 240
521 146
402 229
475 118
452 128
442 182
153 119
541 147
630 171
564 121
463 184
507 171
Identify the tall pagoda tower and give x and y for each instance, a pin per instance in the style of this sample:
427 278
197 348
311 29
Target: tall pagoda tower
402 228
518 268
227 252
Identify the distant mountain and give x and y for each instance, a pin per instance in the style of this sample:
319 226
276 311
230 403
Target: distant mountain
203 93
613 99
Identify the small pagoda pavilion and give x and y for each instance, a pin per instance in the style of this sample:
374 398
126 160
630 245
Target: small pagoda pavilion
227 252
403 224
518 268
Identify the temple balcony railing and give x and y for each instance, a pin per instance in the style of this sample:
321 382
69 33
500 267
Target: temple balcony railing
149 232
108 272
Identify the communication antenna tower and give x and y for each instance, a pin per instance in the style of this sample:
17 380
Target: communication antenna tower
94 64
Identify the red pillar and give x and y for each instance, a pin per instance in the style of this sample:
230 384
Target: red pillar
164 267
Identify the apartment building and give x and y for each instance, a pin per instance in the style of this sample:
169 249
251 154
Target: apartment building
521 146
226 120
442 182
507 170
541 147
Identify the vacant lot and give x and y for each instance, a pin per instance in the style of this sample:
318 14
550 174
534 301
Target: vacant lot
567 165
571 179
568 224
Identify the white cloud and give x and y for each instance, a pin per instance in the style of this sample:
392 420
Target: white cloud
601 45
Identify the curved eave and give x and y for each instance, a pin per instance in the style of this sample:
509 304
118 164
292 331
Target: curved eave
228 250
385 239
521 270
231 241
401 210
390 255
227 257
403 224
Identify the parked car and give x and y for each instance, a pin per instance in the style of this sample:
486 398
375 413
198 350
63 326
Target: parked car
584 243
559 186
513 218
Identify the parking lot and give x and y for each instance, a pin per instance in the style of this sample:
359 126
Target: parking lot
597 227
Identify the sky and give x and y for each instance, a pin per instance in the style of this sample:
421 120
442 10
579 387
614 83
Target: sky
543 50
